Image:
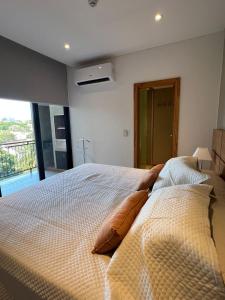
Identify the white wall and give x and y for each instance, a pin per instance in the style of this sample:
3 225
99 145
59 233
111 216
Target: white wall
101 115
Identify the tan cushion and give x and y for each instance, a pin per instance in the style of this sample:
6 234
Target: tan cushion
118 223
149 178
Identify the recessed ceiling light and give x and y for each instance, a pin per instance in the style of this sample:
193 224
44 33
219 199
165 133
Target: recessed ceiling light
67 46
158 17
100 67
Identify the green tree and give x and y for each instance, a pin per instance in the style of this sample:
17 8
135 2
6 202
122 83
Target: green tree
26 158
7 164
6 136
10 130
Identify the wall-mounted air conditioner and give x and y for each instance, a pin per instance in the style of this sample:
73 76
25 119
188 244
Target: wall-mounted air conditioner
94 75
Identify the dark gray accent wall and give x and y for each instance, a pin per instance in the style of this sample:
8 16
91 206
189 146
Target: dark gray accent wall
30 76
221 113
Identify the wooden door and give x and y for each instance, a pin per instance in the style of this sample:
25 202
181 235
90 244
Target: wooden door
156 109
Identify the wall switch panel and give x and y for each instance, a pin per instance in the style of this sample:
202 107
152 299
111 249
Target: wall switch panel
125 132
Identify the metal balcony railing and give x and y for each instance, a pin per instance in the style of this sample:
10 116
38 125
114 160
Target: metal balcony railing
17 157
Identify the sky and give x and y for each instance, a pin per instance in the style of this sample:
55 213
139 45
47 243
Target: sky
18 110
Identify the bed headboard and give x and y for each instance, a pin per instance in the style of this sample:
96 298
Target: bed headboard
218 151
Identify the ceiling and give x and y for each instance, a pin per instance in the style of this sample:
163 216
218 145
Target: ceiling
112 28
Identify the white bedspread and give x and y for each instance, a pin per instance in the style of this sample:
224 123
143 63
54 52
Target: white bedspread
169 252
47 232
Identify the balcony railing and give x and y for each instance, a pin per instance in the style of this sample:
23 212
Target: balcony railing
17 157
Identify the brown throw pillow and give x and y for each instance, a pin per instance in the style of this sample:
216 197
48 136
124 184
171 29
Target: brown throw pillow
149 178
118 223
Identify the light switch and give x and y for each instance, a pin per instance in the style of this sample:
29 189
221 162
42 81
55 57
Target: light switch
125 132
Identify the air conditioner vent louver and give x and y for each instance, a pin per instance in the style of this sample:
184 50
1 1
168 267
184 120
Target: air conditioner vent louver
93 81
94 75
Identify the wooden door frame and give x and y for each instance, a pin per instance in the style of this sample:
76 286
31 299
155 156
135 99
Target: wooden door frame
175 82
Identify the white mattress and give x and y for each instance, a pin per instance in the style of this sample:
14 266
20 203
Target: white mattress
47 232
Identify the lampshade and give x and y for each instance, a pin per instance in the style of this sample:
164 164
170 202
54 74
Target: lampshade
202 154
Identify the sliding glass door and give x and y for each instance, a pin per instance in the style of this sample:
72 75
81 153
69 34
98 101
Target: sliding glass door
53 141
18 162
34 143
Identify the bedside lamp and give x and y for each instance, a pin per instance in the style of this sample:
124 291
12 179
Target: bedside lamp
202 154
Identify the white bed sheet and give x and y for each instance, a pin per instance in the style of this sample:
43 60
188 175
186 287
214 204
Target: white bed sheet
47 231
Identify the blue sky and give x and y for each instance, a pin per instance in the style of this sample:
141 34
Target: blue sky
18 110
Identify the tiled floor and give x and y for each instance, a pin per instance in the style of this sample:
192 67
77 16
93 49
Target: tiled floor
19 182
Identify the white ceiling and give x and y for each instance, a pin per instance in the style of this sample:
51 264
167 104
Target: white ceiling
114 27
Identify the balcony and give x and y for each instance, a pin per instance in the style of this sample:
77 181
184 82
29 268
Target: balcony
18 167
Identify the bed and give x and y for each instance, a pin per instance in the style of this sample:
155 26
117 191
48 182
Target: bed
47 233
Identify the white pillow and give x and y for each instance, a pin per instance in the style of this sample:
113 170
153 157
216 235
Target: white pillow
168 252
180 170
